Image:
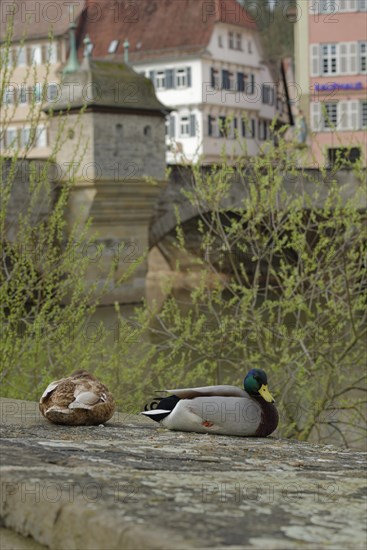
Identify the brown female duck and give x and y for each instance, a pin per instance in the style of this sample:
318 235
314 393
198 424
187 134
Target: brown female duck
78 400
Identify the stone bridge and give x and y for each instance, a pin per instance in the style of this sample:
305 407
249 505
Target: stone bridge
129 485
165 218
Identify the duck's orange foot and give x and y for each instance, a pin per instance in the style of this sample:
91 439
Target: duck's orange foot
207 424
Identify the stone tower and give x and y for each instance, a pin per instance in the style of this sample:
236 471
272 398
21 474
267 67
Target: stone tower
113 140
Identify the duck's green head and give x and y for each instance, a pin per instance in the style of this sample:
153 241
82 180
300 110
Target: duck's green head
256 383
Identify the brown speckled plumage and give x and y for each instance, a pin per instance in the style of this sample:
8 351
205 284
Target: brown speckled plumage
78 400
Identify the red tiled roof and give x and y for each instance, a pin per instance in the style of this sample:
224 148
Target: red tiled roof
158 28
36 19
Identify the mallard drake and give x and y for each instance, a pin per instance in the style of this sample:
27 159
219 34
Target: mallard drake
225 410
78 400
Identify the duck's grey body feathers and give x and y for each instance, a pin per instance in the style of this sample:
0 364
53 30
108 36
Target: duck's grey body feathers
207 391
226 410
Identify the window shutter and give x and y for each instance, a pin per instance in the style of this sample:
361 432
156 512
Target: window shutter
172 127
189 77
210 126
252 84
45 53
225 79
259 132
212 77
353 58
235 128
192 125
353 114
315 116
28 55
315 59
152 77
240 82
343 116
13 57
343 58
253 128
169 78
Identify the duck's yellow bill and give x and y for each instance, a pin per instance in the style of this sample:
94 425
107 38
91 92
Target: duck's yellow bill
265 393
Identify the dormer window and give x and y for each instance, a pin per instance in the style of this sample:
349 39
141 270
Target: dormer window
51 53
88 48
113 46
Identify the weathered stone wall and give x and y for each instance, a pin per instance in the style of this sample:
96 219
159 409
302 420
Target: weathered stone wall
129 146
133 485
19 200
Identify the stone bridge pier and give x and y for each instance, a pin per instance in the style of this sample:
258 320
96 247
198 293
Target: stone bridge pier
112 145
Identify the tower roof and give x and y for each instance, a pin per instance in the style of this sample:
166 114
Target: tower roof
102 85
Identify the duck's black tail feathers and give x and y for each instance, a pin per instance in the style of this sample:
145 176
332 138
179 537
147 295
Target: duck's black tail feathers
159 409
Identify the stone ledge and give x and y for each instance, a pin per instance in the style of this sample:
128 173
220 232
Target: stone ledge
131 485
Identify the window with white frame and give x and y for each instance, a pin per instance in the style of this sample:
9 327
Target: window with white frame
328 6
10 94
363 57
230 40
181 78
343 115
337 6
37 92
184 126
160 79
36 55
347 5
329 64
363 116
41 137
11 137
21 56
52 92
330 118
25 135
23 94
249 46
113 46
9 55
220 41
51 55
